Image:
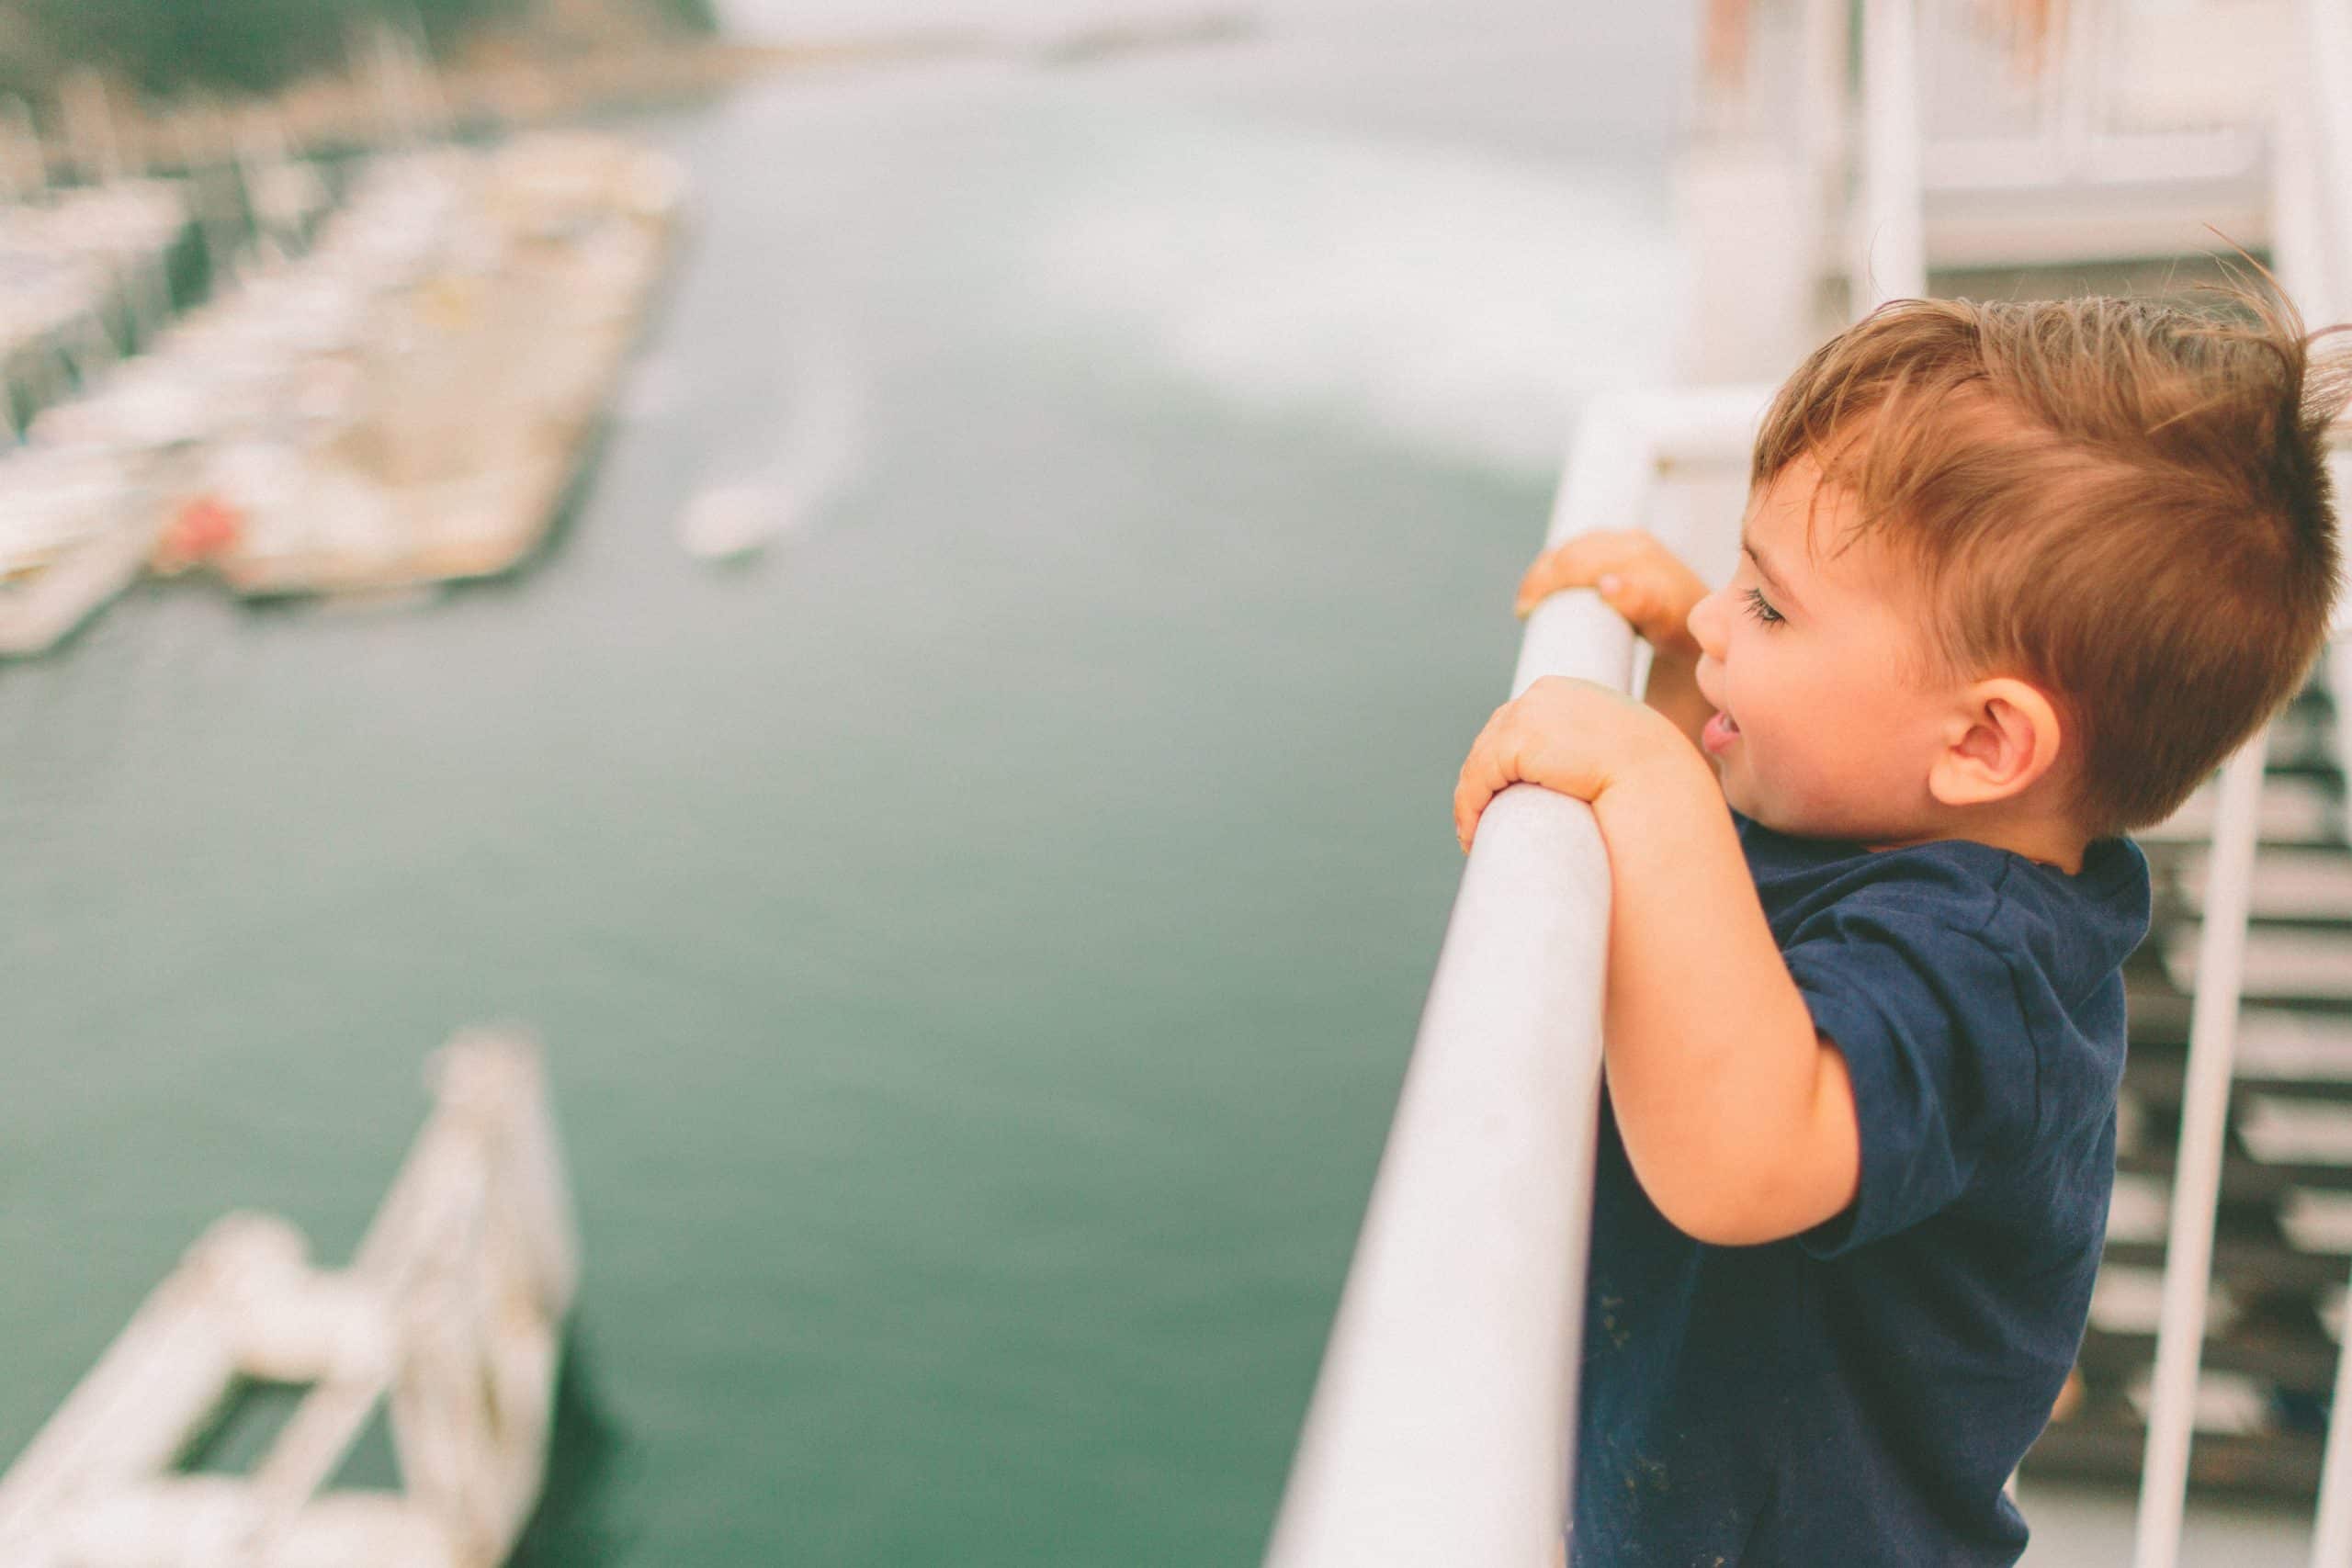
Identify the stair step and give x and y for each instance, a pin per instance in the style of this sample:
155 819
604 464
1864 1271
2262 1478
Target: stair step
2288 883
2126 1303
2316 1221
2137 1211
2157 1087
2280 1042
2307 1364
2296 809
2277 1130
2279 1464
2226 1401
2250 1266
2281 962
2244 1181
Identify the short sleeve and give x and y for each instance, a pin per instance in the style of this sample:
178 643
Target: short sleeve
1902 980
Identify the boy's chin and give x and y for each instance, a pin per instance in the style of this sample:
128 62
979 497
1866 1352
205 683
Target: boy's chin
1738 796
1777 815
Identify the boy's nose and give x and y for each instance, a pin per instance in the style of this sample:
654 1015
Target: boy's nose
1706 622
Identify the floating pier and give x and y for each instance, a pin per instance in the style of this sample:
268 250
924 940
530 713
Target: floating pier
450 1318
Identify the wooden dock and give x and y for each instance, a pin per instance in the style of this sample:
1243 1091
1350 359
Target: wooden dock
479 384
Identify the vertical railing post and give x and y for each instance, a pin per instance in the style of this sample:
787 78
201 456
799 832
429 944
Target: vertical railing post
1826 58
2196 1168
1890 248
2311 237
2332 1529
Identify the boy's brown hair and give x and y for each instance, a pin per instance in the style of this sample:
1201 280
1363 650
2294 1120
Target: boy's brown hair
2123 502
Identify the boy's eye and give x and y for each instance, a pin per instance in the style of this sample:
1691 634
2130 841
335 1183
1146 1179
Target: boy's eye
1761 608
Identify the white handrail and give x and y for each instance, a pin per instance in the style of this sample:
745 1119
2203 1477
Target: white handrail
1443 1424
1442 1427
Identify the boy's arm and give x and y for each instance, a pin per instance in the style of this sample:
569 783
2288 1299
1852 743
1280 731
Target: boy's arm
1738 1116
1641 581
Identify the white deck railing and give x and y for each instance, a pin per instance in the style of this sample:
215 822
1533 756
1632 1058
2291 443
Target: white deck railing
1443 1424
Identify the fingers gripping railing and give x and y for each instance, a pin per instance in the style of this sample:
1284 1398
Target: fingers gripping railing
1443 1424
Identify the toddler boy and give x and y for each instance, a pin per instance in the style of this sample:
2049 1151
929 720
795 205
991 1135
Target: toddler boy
2014 580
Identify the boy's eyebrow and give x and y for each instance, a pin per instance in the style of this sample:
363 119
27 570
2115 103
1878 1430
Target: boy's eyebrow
1772 579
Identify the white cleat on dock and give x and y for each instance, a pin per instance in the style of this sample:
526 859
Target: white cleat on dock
451 1316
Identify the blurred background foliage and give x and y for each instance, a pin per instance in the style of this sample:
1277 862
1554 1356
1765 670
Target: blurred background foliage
165 47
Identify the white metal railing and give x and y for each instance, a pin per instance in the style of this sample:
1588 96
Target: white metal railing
1442 1425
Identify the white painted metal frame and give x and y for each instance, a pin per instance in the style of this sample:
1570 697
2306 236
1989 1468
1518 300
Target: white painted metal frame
2073 128
1443 1425
1997 161
2332 1529
2196 1168
1891 259
2313 254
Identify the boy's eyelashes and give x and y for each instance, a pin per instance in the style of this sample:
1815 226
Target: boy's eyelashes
1761 607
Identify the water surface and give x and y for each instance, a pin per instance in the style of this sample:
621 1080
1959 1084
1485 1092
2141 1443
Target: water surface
978 941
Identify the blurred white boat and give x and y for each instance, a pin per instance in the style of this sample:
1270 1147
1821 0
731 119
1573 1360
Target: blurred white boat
814 456
76 529
729 521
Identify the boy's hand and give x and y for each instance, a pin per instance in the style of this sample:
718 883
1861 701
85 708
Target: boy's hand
1636 576
1574 737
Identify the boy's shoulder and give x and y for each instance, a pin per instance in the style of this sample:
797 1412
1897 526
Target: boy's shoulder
1977 1001
2074 931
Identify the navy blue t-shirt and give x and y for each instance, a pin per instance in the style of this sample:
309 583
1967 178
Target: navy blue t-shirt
1859 1393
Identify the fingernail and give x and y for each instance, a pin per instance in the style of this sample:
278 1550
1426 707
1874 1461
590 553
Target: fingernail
1609 584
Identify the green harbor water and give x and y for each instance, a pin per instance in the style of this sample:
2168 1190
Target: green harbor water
977 941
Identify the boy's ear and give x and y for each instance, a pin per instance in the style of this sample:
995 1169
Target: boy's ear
2003 738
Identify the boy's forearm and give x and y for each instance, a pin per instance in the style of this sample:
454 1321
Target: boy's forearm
1737 1117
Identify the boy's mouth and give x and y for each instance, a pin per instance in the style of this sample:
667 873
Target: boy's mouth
1720 732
